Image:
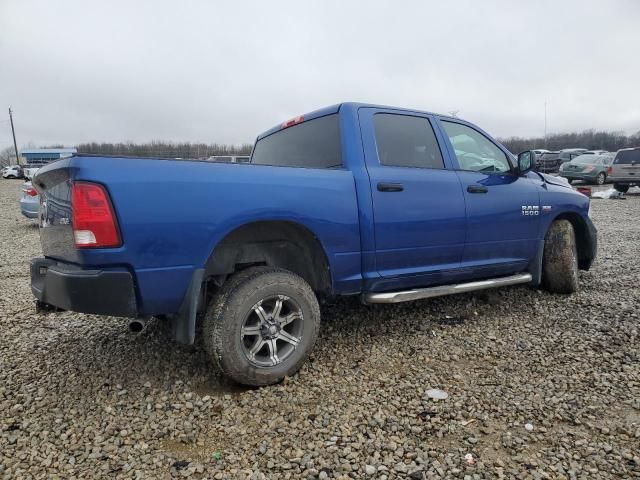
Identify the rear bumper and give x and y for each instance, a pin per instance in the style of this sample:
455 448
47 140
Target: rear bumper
65 286
625 180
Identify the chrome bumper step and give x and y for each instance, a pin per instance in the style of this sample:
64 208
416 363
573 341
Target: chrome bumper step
420 293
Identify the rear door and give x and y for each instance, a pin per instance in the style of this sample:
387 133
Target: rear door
503 209
418 205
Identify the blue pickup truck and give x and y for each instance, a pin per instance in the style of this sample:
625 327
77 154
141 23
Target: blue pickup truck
386 203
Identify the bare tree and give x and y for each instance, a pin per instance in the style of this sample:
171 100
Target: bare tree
164 149
7 157
591 139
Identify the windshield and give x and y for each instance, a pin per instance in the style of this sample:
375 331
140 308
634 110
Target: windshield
548 156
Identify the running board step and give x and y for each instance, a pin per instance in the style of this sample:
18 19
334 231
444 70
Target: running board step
408 295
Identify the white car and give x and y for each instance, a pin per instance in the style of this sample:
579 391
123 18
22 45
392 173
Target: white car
12 171
29 172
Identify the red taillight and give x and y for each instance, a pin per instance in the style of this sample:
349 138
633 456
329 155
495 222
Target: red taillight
32 192
609 170
94 223
293 121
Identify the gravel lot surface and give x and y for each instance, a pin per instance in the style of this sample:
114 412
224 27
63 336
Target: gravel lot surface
539 385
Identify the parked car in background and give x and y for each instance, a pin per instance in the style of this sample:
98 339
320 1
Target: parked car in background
30 201
540 151
550 162
595 152
12 171
588 167
30 170
624 172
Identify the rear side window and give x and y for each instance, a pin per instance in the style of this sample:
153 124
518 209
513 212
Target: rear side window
311 144
628 157
405 141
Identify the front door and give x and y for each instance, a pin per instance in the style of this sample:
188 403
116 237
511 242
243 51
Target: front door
419 211
503 209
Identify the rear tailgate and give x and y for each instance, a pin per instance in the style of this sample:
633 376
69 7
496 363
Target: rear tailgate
53 183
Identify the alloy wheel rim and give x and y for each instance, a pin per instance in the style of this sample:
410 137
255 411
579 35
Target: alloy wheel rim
272 330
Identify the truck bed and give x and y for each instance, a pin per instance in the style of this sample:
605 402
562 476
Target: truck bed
172 213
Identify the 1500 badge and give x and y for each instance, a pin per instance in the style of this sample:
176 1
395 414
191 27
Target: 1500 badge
530 210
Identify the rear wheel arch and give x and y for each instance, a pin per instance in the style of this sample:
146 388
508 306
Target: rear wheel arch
275 243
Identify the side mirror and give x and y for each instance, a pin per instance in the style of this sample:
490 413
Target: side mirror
526 162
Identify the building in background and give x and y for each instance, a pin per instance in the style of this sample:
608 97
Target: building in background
38 157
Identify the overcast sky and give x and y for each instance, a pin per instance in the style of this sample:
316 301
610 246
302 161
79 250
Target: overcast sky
214 71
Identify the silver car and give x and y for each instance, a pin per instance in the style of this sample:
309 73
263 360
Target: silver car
625 170
30 201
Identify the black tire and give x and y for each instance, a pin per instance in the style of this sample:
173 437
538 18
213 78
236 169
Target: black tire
621 188
601 178
560 261
226 321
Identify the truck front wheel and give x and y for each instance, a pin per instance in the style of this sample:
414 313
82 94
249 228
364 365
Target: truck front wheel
560 261
262 325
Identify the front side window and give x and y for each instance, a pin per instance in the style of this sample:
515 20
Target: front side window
406 141
310 144
475 151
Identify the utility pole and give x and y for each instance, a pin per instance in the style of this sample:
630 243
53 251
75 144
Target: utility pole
545 124
13 131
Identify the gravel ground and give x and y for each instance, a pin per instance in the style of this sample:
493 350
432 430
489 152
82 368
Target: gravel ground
539 385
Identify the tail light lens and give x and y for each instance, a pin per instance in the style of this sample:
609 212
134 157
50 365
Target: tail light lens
30 191
609 170
94 223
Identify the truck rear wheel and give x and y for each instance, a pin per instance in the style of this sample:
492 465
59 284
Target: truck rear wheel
262 325
621 188
560 261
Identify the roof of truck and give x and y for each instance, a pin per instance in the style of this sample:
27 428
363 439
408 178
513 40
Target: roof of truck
335 108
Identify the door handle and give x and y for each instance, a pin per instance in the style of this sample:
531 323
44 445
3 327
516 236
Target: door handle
390 187
477 189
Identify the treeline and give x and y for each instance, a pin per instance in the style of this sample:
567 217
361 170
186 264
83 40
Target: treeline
164 149
591 139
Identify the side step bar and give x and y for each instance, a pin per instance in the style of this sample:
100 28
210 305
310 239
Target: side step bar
408 295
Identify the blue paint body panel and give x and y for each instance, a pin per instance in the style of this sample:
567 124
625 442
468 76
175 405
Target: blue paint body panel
172 214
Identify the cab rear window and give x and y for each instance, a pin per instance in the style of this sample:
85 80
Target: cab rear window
310 144
627 157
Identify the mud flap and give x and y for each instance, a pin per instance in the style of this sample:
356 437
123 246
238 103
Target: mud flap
535 266
184 322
